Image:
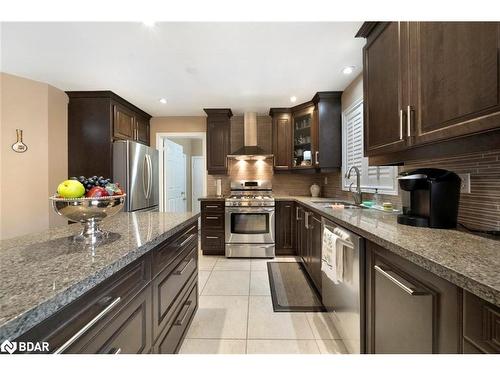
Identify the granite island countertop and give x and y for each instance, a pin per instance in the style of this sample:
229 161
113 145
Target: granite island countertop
42 272
467 260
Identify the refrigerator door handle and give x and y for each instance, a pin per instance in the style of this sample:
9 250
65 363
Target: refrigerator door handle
145 167
150 175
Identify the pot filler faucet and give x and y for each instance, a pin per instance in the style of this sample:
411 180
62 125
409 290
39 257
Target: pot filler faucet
358 195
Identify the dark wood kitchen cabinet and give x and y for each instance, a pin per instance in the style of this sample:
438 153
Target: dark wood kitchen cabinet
95 120
409 309
454 78
282 138
328 119
385 88
213 227
481 327
218 139
300 231
304 136
285 228
309 136
429 84
313 263
133 311
308 242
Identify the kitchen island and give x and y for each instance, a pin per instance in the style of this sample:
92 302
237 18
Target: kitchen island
46 277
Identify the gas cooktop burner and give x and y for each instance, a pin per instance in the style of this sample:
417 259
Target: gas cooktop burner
250 193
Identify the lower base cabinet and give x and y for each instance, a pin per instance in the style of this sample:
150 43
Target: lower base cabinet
308 242
481 328
409 310
171 341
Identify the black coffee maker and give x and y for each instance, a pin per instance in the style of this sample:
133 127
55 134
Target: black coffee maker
431 198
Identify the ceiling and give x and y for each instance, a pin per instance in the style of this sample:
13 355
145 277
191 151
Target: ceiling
242 66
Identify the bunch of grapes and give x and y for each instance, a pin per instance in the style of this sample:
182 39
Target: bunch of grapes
90 182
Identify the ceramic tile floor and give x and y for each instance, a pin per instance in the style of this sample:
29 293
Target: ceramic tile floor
235 315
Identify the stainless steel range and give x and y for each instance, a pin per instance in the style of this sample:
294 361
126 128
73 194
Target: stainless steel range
250 220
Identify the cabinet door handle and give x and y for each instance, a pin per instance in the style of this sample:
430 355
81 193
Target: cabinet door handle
297 213
306 217
88 326
187 240
180 321
115 351
404 284
401 115
180 272
316 157
408 121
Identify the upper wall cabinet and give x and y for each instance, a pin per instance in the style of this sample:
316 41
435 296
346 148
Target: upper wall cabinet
282 137
95 120
385 89
430 82
218 139
454 79
308 136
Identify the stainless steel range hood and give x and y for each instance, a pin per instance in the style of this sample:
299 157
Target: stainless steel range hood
250 150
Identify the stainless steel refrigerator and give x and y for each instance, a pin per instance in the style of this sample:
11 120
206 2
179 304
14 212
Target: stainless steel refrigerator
135 167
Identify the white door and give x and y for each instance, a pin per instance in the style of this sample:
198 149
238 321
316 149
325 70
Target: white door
197 181
174 177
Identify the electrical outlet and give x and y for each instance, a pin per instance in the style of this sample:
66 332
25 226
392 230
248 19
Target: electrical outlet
465 186
326 180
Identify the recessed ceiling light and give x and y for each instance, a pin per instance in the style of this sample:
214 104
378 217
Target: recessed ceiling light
163 101
348 69
293 99
149 23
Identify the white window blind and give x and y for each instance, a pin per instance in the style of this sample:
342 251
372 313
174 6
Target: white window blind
382 178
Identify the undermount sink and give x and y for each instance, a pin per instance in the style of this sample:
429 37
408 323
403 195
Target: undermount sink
347 205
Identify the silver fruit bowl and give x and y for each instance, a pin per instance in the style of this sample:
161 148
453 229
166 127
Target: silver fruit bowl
90 212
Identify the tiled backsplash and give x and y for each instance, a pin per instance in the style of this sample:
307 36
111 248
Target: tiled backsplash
283 184
480 209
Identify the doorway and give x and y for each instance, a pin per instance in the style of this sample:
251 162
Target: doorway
182 171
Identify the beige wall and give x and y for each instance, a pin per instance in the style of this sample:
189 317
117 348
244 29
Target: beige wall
27 179
176 124
352 92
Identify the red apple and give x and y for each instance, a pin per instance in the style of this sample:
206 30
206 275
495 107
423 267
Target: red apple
97 192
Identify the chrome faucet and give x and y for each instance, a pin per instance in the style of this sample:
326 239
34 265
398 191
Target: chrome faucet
358 195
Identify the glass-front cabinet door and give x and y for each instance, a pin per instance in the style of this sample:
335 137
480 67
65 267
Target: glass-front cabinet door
303 139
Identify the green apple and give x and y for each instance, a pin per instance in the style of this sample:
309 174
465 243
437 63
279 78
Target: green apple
71 189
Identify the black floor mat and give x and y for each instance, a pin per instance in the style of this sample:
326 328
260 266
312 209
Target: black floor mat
291 288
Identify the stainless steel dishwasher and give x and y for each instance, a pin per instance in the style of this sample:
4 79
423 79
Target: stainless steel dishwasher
344 298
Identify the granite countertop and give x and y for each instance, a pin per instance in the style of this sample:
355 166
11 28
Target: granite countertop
42 272
467 260
212 198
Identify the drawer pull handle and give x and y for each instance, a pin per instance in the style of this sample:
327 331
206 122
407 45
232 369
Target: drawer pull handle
212 206
187 240
115 351
212 238
180 322
212 218
180 272
400 282
88 326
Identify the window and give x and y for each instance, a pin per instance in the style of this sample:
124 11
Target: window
381 178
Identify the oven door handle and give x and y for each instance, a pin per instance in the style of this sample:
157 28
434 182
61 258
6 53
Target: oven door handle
246 210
